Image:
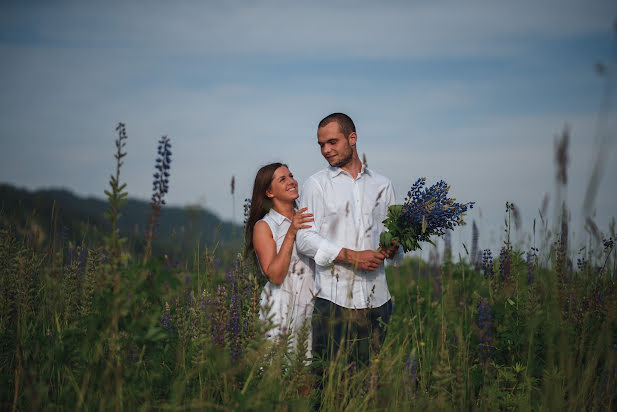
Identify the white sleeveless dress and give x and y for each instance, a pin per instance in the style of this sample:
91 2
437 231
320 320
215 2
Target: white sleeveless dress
290 304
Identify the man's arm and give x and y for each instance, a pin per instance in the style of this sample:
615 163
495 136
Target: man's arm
310 243
368 260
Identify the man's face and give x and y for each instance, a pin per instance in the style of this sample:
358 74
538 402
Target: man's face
335 147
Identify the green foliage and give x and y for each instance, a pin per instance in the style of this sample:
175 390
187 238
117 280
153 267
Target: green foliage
68 336
405 235
80 333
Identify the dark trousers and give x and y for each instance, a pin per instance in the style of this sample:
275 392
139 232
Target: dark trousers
357 333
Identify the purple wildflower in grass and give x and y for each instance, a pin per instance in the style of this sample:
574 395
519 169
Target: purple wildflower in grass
167 319
230 278
65 233
505 263
426 212
410 374
581 263
160 187
487 264
485 330
234 325
219 315
247 210
609 244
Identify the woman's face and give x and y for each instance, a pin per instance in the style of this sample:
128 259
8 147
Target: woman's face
283 186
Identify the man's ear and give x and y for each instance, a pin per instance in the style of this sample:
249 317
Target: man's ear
352 138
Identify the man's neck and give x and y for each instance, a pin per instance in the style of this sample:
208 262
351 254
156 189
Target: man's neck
354 167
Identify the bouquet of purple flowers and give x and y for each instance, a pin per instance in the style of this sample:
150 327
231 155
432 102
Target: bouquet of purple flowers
426 212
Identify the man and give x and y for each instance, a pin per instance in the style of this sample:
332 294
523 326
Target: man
349 203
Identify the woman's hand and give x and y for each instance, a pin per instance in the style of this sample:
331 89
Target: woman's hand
299 220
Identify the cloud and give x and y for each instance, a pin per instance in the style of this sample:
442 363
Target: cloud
335 30
472 93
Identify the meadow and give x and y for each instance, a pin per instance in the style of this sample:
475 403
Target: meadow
95 327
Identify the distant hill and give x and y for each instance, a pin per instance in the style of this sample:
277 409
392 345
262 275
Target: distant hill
59 212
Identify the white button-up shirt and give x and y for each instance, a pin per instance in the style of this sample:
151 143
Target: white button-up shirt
348 213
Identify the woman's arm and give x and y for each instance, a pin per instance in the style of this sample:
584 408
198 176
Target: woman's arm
275 265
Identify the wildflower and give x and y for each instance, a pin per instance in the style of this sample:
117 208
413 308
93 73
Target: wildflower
505 263
160 185
487 264
426 212
581 263
485 330
234 330
609 244
219 315
65 232
247 210
167 320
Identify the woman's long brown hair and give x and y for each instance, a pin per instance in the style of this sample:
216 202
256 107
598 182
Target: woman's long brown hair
260 205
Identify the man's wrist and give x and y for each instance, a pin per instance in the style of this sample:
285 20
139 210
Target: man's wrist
347 256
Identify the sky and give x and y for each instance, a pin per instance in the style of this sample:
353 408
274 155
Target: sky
472 92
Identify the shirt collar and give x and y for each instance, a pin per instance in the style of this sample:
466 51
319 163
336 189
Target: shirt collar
277 217
335 171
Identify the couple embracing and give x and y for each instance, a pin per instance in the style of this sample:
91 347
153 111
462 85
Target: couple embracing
319 250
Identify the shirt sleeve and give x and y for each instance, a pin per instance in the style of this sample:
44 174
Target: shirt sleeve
397 259
309 241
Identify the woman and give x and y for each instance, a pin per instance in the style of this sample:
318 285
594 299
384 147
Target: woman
270 232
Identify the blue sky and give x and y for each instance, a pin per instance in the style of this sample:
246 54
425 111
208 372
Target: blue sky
473 93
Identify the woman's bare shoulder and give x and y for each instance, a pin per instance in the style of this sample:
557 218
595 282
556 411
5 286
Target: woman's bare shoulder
262 229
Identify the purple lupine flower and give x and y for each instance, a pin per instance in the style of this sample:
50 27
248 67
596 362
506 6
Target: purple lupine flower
487 264
609 244
231 279
65 232
581 263
426 212
167 319
160 185
505 263
219 316
434 207
410 374
234 328
485 330
247 210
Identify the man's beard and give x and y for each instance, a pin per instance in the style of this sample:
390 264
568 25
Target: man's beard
345 160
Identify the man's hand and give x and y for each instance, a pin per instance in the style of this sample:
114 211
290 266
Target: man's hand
367 260
390 251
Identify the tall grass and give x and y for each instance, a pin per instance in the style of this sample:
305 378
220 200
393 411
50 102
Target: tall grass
95 328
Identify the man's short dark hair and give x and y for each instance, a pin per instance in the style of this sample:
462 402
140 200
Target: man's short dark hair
345 124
